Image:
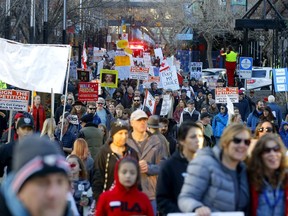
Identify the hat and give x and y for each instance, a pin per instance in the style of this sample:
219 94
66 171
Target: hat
204 115
138 114
78 103
101 100
183 91
35 156
117 126
25 122
153 121
241 92
119 106
190 102
87 118
18 115
243 89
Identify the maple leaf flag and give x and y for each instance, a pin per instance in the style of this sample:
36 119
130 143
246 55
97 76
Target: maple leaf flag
84 57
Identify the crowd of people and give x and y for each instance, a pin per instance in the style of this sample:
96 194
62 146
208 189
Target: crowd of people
115 156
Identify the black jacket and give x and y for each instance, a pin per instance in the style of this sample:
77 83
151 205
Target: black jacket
169 184
6 151
104 165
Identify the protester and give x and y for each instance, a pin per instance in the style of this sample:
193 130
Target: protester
216 179
14 136
104 132
173 171
91 108
276 110
164 124
284 133
42 190
78 108
125 196
254 116
38 113
220 122
114 149
59 110
230 64
48 129
178 110
103 113
243 106
80 184
190 113
268 115
268 177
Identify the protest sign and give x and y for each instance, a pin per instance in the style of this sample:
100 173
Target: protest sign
280 79
196 70
83 75
169 79
166 105
88 91
14 100
73 119
231 92
149 101
147 59
109 78
151 79
158 53
122 61
139 73
123 72
73 70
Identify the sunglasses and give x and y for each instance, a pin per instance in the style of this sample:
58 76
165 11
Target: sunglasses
268 129
267 150
91 108
100 103
125 113
72 165
238 141
136 100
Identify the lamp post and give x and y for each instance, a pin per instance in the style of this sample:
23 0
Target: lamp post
7 20
64 21
45 23
32 22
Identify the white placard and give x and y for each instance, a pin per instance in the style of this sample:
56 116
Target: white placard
139 73
222 93
150 101
196 70
166 105
123 72
158 52
169 79
14 100
147 59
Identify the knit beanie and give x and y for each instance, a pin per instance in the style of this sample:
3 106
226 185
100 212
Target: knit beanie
117 126
35 156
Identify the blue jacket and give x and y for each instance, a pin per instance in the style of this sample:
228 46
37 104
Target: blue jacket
284 133
219 123
253 120
244 109
276 112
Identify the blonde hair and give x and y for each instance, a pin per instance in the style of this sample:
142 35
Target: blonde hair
80 148
49 126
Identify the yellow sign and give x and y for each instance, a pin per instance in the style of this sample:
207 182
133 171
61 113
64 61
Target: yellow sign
128 50
122 61
109 78
121 44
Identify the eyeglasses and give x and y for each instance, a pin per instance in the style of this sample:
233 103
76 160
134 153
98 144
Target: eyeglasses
92 108
69 99
136 100
72 165
238 141
268 129
267 150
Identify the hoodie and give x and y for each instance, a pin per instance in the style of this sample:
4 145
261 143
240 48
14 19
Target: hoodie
284 133
123 201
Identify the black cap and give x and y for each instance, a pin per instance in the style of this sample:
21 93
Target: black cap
190 102
25 122
87 118
204 115
183 90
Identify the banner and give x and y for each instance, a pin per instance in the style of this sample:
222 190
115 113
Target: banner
88 91
34 67
109 78
166 105
222 92
139 73
169 79
196 70
280 79
149 102
14 100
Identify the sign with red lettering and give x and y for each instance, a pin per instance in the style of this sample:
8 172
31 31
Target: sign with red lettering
231 92
14 100
140 73
88 91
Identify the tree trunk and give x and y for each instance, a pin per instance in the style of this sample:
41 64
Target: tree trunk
209 41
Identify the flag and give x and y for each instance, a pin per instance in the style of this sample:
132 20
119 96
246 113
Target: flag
84 57
149 102
34 67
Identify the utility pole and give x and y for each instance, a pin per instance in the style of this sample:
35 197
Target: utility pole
45 23
32 22
8 20
64 22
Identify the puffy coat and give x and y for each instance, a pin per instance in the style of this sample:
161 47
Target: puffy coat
209 183
219 123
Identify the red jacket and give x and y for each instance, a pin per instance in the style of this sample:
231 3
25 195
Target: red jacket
42 116
120 201
255 200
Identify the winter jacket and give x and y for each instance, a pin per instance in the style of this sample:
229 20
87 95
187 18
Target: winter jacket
257 198
121 201
40 112
219 123
93 137
253 119
104 164
284 133
6 152
170 182
193 116
153 151
276 112
78 188
209 183
244 109
10 205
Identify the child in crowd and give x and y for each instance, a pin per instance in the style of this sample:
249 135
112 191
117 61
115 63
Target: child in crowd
125 198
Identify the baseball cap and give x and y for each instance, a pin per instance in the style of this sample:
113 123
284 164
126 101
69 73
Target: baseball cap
190 102
204 115
241 92
25 122
153 121
138 114
36 156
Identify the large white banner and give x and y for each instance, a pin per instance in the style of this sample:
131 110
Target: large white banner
34 67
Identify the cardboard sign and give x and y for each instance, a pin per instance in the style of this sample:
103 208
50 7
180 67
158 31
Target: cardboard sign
149 101
83 75
166 105
122 61
152 79
88 91
109 78
169 79
14 100
196 70
231 92
139 73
